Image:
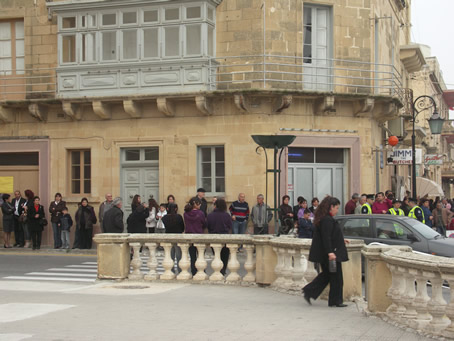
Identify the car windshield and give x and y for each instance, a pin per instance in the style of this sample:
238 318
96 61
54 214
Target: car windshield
423 229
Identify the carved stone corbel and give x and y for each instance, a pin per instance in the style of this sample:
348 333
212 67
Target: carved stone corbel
72 110
203 104
386 111
102 110
324 106
364 107
282 103
165 106
6 115
37 111
132 108
241 102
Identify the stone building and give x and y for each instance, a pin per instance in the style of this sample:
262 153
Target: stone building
161 98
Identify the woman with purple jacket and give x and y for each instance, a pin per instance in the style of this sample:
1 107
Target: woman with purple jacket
194 220
220 222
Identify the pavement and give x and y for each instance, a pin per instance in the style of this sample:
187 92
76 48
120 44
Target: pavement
71 309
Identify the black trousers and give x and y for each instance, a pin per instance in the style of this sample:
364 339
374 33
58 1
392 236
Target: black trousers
193 255
225 253
36 238
334 279
18 232
86 237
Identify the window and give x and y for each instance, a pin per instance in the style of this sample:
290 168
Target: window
68 22
19 159
193 39
315 155
109 45
151 44
210 41
130 44
171 14
211 169
193 12
150 16
80 171
140 155
172 41
69 48
12 47
358 228
387 229
109 19
88 47
129 18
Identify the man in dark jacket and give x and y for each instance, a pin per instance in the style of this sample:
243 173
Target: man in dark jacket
113 218
18 204
201 196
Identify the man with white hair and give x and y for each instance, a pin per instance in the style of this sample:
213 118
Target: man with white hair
261 216
103 208
362 201
113 218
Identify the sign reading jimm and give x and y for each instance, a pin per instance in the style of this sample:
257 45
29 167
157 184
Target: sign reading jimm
403 157
433 159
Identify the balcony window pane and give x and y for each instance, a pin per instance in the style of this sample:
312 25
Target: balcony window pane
19 29
130 44
150 43
69 49
69 22
193 40
172 41
5 48
193 12
20 66
19 47
130 18
150 16
172 14
88 47
5 66
109 46
109 19
210 41
210 14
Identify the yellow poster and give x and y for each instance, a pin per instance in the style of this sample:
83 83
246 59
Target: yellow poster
6 184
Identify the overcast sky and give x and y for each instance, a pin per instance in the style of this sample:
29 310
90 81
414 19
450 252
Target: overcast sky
432 25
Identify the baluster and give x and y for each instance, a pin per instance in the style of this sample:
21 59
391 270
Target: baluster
288 269
397 293
168 262
184 263
136 263
420 301
200 264
233 264
436 305
152 262
409 297
310 273
279 267
298 271
249 265
392 291
216 263
449 332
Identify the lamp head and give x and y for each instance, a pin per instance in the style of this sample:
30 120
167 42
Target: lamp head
436 123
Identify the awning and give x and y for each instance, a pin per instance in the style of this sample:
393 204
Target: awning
428 187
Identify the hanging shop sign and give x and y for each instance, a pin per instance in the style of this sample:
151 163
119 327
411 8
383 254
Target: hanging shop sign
433 159
403 157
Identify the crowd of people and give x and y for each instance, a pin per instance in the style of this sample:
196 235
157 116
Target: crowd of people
437 214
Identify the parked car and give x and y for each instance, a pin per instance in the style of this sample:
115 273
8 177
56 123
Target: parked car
396 230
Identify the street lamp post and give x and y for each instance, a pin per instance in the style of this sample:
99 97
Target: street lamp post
422 103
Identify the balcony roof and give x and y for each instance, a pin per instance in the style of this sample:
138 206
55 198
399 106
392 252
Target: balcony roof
412 57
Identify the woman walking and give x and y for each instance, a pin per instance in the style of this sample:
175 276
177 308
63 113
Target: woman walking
328 245
195 222
36 222
8 220
85 219
220 222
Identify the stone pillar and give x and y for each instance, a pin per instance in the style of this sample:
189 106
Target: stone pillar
113 255
278 270
249 266
216 263
168 262
233 264
184 263
298 271
266 260
136 263
200 264
436 305
287 271
152 262
353 285
449 332
420 302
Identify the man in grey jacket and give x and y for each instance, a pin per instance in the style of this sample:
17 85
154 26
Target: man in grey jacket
261 216
103 208
113 218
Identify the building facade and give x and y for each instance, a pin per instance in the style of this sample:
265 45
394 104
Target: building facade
156 98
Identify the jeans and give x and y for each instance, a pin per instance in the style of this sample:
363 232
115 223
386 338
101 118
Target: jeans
57 235
239 227
65 239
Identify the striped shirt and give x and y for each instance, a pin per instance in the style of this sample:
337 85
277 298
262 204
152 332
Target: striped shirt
239 210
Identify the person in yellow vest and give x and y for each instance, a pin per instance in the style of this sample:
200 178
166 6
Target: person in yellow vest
396 210
367 207
415 211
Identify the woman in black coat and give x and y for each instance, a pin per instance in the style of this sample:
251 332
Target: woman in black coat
35 215
8 219
85 219
328 244
137 219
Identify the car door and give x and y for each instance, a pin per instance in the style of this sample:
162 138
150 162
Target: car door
358 228
394 232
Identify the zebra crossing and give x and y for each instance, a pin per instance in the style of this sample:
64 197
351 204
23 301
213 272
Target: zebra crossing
85 272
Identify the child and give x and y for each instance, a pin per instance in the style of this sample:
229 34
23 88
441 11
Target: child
160 228
305 226
65 224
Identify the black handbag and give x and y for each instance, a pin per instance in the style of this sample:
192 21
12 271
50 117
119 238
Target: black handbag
43 221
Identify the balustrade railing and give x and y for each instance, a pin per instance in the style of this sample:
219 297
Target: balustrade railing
420 290
280 262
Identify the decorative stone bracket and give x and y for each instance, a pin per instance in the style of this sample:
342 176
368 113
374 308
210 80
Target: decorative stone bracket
282 103
364 107
324 106
132 108
204 105
385 112
37 111
241 102
165 106
72 110
6 115
102 110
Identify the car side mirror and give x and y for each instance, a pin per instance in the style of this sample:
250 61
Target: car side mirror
412 237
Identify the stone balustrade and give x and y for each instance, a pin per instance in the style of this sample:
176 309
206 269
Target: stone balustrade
280 262
397 288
